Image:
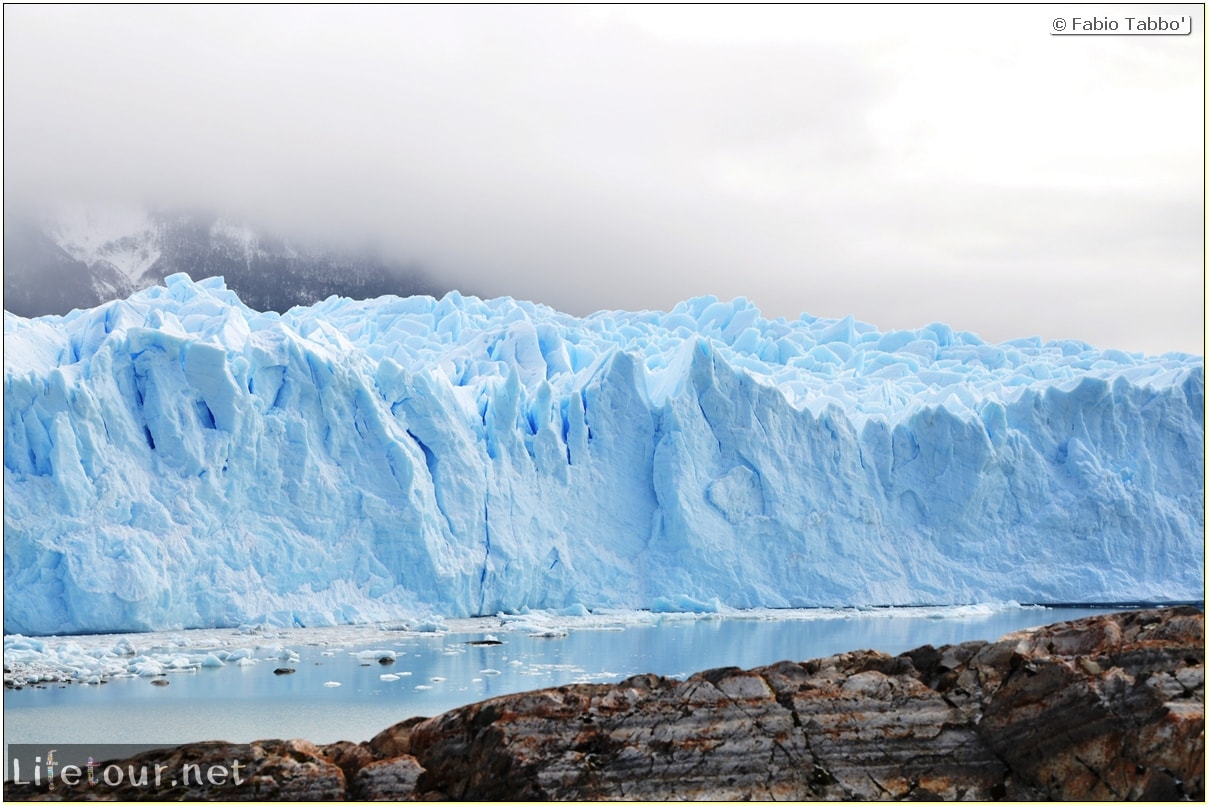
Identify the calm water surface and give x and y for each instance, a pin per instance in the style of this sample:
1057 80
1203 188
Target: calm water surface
442 671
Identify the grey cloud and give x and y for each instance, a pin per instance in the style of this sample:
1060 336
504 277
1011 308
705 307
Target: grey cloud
591 165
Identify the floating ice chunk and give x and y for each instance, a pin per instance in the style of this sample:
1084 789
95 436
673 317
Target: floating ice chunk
575 610
390 678
375 654
146 667
21 642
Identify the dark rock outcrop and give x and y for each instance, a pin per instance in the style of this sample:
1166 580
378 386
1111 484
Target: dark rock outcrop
1104 708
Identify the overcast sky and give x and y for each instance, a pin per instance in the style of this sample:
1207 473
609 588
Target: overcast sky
905 165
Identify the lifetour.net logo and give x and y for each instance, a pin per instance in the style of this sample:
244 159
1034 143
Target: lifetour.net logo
62 768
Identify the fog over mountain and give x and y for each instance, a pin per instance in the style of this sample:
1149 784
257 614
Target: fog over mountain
904 165
78 257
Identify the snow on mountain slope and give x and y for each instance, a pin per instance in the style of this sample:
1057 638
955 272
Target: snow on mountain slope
126 239
70 256
177 459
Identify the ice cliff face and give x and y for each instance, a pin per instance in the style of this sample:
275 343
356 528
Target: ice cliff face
177 459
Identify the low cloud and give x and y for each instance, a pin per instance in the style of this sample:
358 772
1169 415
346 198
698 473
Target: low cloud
979 172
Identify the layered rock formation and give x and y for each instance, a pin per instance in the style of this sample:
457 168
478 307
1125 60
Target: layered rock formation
1104 708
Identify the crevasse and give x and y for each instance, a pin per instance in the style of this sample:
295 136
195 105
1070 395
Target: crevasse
178 459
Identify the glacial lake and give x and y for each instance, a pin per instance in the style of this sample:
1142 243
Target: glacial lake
436 671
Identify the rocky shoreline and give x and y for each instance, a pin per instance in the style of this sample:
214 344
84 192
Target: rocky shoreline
1104 708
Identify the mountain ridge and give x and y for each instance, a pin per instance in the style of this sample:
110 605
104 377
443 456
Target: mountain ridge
75 256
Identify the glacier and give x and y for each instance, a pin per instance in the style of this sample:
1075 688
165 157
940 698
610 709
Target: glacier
177 459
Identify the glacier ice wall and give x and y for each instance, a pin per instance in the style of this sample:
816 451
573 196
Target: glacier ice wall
177 459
